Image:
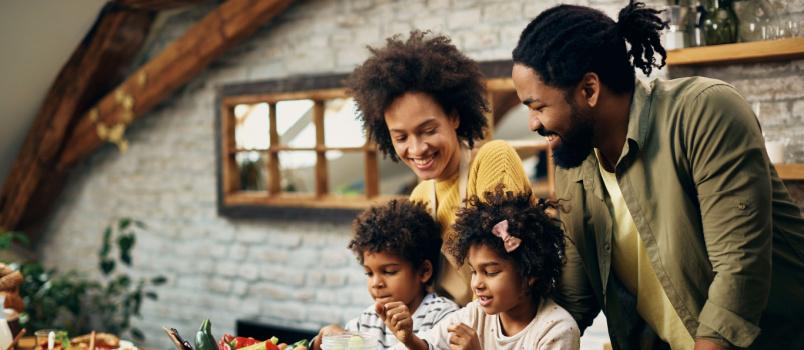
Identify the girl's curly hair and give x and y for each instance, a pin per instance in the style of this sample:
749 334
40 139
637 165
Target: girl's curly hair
541 252
399 227
430 65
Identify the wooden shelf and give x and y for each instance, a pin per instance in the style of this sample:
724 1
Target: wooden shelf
790 171
758 51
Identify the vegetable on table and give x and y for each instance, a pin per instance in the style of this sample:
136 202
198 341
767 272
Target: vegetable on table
204 339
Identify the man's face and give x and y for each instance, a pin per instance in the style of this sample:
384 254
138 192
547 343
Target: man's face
569 131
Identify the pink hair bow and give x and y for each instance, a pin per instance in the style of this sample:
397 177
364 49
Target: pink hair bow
501 230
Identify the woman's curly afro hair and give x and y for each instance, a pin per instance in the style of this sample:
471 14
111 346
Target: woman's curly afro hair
541 253
400 227
432 65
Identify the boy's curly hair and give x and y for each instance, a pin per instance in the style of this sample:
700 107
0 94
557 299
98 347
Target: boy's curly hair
399 227
541 252
430 65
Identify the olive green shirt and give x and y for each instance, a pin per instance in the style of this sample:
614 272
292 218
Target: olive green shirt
719 226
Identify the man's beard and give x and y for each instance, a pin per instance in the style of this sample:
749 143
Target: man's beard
577 145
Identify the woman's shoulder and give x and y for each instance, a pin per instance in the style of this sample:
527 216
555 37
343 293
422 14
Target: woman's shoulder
495 147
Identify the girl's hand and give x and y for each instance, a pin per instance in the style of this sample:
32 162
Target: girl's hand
464 337
396 316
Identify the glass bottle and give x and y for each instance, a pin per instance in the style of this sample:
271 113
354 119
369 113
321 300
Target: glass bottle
720 23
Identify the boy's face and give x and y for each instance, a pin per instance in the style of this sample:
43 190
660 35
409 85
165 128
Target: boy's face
391 278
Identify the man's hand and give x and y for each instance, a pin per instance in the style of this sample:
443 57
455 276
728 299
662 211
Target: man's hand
464 337
396 316
331 329
705 344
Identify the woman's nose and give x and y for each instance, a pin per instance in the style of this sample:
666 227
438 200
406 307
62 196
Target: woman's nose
419 146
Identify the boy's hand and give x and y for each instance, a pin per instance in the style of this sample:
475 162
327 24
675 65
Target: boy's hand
331 329
464 337
398 319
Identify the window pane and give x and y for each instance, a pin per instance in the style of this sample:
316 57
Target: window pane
346 172
298 171
395 178
294 123
341 127
512 128
252 170
251 126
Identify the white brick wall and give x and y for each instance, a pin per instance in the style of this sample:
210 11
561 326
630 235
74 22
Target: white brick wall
293 272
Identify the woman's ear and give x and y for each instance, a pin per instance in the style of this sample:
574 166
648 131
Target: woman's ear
426 271
454 119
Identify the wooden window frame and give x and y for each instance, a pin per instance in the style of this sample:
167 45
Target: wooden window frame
323 205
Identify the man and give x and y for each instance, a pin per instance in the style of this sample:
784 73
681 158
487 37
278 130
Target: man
677 219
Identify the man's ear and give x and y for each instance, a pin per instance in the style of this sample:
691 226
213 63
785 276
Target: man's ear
589 89
426 271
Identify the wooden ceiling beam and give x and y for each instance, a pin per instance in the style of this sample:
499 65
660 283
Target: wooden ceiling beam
157 5
225 27
98 64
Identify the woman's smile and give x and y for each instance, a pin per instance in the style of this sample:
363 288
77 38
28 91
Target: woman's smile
424 136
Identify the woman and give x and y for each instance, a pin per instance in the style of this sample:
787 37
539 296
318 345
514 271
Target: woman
421 101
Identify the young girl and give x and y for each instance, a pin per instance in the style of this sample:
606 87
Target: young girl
515 252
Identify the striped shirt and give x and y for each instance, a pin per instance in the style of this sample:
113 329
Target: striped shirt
432 309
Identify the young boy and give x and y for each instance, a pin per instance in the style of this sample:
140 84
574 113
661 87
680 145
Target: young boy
398 244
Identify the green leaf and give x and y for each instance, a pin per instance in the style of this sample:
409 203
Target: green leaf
151 295
124 223
107 266
21 238
126 258
140 224
124 281
159 280
137 334
107 236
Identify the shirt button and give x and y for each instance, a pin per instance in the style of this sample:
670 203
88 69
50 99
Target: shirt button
607 246
741 206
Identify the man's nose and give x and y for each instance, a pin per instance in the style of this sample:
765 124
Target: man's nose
534 123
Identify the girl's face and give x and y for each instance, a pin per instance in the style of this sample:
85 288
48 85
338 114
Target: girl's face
423 136
391 278
498 286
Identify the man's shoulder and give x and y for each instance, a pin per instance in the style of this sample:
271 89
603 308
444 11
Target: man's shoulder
684 88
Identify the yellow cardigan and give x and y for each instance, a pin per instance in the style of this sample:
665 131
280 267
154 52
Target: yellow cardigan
496 162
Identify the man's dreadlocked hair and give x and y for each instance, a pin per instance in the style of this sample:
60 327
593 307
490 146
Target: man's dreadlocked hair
565 42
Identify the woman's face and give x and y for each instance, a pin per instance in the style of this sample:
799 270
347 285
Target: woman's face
423 136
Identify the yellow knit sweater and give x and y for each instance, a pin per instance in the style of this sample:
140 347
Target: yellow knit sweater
496 162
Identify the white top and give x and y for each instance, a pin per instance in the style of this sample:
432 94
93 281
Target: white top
552 328
432 310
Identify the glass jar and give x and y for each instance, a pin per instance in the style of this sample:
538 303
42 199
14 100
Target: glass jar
720 23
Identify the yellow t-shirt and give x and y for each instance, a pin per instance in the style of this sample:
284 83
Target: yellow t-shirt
631 264
496 162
